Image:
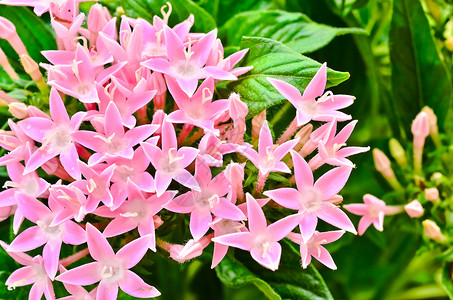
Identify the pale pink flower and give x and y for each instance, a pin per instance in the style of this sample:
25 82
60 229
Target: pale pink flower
222 227
77 292
170 162
261 240
313 199
414 209
111 270
313 247
309 106
192 249
68 202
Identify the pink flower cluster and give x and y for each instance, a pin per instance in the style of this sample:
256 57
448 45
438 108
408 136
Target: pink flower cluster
133 152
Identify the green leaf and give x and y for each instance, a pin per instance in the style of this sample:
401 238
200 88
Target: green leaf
290 281
446 281
273 59
31 29
344 7
295 30
419 76
181 9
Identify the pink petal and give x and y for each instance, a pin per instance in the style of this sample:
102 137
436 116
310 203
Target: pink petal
158 65
21 277
241 240
84 275
302 172
113 121
283 227
199 222
325 258
332 182
227 210
51 255
35 127
307 226
257 220
57 109
336 217
287 197
31 238
100 249
133 285
317 85
36 291
203 47
219 253
356 208
271 259
73 233
38 158
119 226
69 160
265 143
107 290
31 208
188 85
364 223
186 179
175 47
287 90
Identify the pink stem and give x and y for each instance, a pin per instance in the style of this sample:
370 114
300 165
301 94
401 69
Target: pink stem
292 128
184 133
73 258
261 181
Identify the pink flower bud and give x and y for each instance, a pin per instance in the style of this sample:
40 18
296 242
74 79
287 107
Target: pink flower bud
157 221
192 249
397 152
257 124
382 163
432 194
18 110
31 67
158 119
414 209
432 231
98 17
432 120
234 173
420 129
7 29
303 135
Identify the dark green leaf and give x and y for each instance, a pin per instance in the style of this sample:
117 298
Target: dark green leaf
273 59
290 281
146 9
344 7
446 281
295 30
31 29
419 76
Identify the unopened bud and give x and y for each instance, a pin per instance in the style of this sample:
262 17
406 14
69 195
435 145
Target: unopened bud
257 124
7 29
234 173
18 110
432 194
382 163
420 129
432 231
31 67
397 152
337 199
303 135
432 120
414 209
98 17
437 177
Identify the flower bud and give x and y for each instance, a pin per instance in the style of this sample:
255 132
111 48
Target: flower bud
437 177
257 124
432 120
191 249
7 29
397 152
414 209
432 231
31 67
432 194
18 110
98 17
382 163
303 135
420 129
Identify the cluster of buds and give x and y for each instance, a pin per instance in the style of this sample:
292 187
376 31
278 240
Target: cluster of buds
134 157
421 186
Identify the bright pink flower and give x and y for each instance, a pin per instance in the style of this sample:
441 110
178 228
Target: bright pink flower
170 162
77 292
268 159
111 270
55 136
67 35
313 248
261 240
115 141
137 211
212 150
198 110
308 106
14 141
331 151
68 202
187 65
313 200
200 204
222 227
44 233
33 273
372 211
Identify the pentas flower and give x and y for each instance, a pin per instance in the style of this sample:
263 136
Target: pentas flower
222 227
40 6
55 136
69 202
200 204
198 110
314 104
313 200
111 270
76 291
33 273
14 141
313 248
261 240
137 212
372 211
170 162
187 65
45 233
115 141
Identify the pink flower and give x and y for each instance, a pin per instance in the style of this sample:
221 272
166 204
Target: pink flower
76 291
55 136
111 270
33 273
191 249
414 209
372 211
313 200
170 162
187 65
222 227
261 240
308 106
200 204
313 248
